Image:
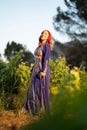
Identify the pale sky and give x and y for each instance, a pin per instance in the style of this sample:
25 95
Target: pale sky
22 21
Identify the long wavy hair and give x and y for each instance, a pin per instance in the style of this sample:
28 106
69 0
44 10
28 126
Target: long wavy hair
49 39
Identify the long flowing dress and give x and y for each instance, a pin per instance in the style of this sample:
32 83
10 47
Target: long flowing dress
38 91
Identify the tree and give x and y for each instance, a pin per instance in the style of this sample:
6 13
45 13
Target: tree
13 48
27 57
73 20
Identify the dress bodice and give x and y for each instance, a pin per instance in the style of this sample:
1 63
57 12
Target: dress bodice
38 59
38 51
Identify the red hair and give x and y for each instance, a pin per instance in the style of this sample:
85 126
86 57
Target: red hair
49 39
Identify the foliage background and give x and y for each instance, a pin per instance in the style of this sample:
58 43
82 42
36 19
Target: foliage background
68 93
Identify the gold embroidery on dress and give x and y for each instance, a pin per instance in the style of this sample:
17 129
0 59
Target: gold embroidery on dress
38 59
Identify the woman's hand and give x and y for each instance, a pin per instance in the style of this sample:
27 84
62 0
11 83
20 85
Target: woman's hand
42 74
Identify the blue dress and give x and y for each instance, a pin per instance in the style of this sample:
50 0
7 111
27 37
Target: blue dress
38 90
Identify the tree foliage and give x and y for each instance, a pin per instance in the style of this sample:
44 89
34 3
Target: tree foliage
73 20
13 48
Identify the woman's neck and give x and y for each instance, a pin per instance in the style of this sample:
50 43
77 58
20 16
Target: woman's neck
44 41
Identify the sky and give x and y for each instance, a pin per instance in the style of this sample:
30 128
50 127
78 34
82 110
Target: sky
22 21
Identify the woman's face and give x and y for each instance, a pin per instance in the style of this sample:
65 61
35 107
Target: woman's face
44 36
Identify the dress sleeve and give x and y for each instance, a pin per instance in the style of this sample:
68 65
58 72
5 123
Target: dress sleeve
46 56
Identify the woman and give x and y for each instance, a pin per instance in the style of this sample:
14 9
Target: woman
38 91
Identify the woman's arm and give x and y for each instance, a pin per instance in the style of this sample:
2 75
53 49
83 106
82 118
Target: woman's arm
45 59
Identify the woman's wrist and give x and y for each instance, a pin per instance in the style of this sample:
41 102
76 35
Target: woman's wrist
42 74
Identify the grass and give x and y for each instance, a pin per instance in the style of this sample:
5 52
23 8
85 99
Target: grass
10 120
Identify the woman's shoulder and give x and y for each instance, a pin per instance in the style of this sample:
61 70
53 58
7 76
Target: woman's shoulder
46 48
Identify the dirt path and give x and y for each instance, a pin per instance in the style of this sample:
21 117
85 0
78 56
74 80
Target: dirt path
13 121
